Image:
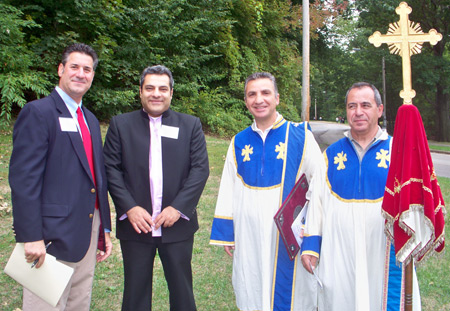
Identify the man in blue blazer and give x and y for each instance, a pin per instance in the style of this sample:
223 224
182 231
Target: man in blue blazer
157 166
59 189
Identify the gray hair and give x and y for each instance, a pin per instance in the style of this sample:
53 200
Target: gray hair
157 70
80 48
359 85
260 75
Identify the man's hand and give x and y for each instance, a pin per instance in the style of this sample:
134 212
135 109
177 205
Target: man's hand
229 250
140 219
309 261
167 218
102 255
35 250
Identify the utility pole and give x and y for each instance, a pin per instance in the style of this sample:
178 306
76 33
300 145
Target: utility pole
306 101
383 68
315 108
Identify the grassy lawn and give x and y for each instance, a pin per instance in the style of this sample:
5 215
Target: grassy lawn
211 266
439 147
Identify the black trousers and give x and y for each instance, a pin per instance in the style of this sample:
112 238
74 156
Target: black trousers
138 259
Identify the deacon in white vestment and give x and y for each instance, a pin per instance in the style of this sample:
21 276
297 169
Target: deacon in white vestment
357 263
262 165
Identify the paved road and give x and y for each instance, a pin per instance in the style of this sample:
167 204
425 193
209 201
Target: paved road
327 133
441 164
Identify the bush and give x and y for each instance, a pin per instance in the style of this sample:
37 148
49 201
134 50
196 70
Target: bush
220 113
18 82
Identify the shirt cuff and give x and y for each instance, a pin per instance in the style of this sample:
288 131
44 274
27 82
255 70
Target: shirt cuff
183 216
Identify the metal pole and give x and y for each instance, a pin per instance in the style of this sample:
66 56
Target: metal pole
384 93
305 71
315 108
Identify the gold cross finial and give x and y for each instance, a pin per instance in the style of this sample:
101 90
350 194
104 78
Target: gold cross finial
405 37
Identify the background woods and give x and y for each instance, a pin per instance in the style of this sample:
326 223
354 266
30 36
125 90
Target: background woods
211 46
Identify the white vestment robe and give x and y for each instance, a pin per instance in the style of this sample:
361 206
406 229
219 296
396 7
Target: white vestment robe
256 178
347 230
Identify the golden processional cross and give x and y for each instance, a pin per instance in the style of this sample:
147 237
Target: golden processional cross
405 37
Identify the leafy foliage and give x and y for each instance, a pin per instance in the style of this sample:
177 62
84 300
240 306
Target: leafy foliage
343 55
212 46
18 83
430 69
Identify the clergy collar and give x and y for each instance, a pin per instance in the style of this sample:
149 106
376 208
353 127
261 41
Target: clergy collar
380 135
262 133
256 129
165 114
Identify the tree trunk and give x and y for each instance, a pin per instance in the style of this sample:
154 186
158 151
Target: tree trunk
443 114
442 98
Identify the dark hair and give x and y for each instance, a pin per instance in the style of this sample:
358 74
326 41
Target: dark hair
80 48
260 75
359 85
157 70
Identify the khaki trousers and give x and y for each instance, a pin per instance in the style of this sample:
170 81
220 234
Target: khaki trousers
77 295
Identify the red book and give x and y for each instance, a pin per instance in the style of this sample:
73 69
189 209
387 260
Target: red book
289 210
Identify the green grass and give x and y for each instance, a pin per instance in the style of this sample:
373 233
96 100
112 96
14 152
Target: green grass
440 147
434 273
211 265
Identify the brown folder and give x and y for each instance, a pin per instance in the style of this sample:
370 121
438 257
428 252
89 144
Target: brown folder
289 210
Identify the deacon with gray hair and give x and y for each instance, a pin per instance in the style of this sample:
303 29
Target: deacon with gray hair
344 235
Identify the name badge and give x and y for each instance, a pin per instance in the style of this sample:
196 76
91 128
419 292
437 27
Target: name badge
68 125
169 131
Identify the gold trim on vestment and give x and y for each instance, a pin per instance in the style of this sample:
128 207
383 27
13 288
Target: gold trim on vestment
338 196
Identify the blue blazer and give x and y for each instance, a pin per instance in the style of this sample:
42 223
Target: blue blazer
52 190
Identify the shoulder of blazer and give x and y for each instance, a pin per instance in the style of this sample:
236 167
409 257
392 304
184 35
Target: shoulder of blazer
174 117
131 116
90 116
59 103
135 121
43 103
50 105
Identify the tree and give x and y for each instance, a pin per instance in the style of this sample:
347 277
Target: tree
17 82
210 46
